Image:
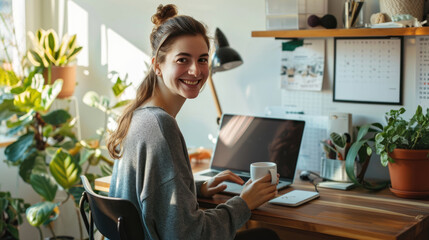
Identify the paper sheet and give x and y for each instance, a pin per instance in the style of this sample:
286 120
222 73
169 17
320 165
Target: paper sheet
303 64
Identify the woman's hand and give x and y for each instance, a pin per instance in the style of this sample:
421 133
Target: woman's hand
211 187
259 192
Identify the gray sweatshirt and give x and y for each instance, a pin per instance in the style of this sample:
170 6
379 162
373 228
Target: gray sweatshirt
155 174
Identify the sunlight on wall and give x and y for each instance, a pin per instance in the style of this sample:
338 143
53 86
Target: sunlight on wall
125 58
77 19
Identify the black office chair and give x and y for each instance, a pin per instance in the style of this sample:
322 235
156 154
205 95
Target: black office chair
114 218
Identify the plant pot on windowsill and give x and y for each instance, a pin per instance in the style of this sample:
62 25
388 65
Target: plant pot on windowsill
55 55
67 74
409 173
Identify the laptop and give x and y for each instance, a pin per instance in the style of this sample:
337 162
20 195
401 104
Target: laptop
243 140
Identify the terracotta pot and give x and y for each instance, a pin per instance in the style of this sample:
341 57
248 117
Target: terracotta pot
67 74
409 174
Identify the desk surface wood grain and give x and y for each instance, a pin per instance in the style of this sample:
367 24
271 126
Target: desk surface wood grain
355 214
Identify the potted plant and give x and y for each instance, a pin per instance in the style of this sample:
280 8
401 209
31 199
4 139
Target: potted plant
53 56
350 157
26 105
12 210
361 150
404 146
48 155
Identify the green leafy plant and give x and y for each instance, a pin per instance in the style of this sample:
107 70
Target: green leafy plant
48 49
26 107
403 134
46 151
12 210
336 146
49 156
93 148
361 150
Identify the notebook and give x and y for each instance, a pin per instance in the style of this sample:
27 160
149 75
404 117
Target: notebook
243 140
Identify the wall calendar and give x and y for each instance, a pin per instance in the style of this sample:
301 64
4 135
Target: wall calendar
368 70
422 71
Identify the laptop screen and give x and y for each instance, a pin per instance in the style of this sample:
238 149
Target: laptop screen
243 140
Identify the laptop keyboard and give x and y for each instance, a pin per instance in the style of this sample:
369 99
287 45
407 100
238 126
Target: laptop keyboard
212 174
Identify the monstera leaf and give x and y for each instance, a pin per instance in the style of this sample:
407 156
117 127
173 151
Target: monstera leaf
41 213
64 169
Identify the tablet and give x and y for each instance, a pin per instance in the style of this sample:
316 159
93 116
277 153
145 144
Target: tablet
294 198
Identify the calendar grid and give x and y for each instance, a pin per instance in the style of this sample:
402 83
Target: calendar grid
368 70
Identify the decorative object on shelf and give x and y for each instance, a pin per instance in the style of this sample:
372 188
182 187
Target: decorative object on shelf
54 57
378 18
393 7
352 9
223 59
404 146
328 21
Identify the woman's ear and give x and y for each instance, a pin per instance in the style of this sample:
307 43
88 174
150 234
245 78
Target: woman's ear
156 67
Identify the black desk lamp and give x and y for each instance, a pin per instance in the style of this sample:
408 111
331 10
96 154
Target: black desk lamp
224 58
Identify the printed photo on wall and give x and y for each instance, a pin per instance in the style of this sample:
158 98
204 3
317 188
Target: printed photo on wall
302 64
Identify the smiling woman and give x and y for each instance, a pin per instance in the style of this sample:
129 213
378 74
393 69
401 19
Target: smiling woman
184 71
154 171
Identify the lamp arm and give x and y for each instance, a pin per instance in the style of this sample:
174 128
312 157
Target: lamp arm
215 98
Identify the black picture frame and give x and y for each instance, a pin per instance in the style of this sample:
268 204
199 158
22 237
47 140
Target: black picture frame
359 72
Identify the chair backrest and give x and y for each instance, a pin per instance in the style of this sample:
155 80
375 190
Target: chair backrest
115 218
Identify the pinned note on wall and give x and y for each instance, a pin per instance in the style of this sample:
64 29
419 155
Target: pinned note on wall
303 64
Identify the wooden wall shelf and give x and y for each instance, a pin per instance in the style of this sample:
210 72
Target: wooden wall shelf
356 32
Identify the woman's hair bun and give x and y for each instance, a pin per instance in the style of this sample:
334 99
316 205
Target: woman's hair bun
163 13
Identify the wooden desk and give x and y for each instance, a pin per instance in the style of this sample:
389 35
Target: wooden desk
353 214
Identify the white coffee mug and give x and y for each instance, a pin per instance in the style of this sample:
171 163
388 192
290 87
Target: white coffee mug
260 169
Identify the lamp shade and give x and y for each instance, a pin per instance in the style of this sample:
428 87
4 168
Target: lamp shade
225 57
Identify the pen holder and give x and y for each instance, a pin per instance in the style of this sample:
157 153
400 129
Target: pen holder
334 170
